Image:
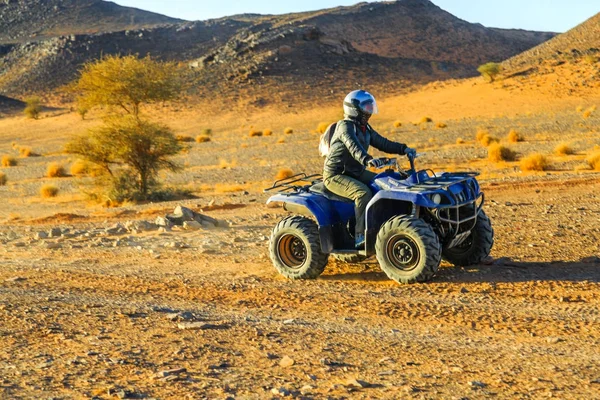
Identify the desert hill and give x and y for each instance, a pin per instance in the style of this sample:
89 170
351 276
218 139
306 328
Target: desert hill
34 20
581 40
260 60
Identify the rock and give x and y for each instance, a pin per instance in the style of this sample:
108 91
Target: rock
357 384
199 326
15 279
55 232
140 226
163 222
53 246
185 213
283 392
289 321
41 235
591 260
477 384
116 229
192 225
181 316
286 362
169 372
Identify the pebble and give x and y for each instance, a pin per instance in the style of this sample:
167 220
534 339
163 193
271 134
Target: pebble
286 362
169 372
15 279
357 383
199 326
53 246
55 232
283 392
41 235
477 384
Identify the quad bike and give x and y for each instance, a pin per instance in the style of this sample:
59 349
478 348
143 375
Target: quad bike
415 219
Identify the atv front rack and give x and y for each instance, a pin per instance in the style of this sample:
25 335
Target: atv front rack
295 183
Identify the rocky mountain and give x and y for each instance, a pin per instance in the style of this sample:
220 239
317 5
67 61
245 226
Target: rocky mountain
271 59
33 20
581 40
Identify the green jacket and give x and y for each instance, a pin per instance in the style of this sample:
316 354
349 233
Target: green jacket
348 152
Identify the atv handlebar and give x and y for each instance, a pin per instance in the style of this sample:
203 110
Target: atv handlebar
393 162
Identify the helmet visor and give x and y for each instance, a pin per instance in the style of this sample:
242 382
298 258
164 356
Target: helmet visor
369 107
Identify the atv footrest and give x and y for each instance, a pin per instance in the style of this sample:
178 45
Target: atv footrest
351 252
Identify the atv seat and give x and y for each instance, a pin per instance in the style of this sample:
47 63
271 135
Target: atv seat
320 188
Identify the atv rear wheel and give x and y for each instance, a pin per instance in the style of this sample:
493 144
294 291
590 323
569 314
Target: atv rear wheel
408 250
476 248
295 248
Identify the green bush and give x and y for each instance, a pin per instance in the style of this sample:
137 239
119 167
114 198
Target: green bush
33 107
490 71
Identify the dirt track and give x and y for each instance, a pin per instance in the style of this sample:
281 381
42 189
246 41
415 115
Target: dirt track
84 322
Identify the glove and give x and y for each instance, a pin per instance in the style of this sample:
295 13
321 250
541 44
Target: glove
411 153
376 163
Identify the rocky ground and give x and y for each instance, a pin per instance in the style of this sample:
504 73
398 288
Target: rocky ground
92 308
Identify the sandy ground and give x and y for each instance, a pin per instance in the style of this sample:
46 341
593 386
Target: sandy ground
92 320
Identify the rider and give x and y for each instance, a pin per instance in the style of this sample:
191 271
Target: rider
345 172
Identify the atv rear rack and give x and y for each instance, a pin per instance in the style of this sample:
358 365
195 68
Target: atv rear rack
290 184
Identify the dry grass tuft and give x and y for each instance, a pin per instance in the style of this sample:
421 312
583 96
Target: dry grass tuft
255 133
515 137
3 179
281 140
206 132
563 149
25 152
579 109
593 161
397 124
425 120
487 140
497 153
535 162
460 141
481 133
184 139
48 191
80 167
55 170
288 131
322 127
267 132
441 125
284 174
9 161
202 139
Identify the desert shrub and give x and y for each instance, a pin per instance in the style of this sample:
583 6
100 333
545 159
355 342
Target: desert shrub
33 107
397 124
128 82
25 151
48 191
563 149
490 71
322 127
487 140
593 160
441 125
267 132
481 133
228 188
588 113
590 59
14 145
9 161
55 170
184 139
460 141
3 179
497 153
535 162
80 167
515 137
202 139
138 147
206 132
579 109
288 131
82 111
425 120
284 173
281 140
255 133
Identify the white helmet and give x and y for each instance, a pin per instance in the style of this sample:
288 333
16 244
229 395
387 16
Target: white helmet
360 104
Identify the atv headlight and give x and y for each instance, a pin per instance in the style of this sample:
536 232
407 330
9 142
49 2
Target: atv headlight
437 198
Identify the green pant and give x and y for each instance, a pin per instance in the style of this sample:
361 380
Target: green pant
355 189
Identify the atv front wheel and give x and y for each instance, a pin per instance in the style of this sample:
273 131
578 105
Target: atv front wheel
476 248
295 248
408 250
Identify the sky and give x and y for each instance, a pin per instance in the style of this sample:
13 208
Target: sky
539 15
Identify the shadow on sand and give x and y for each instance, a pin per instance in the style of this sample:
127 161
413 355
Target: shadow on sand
502 270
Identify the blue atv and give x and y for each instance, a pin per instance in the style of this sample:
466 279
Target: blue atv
415 219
